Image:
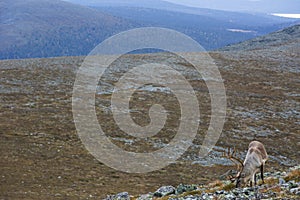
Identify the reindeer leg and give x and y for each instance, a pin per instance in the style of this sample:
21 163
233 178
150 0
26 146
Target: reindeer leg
254 179
262 173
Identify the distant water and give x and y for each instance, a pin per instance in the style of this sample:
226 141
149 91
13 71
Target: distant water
295 16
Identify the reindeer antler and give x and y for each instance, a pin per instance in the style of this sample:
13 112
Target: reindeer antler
232 156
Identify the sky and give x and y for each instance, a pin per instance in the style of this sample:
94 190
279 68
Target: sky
265 6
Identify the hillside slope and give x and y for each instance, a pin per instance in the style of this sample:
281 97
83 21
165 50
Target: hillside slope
211 28
42 157
49 28
286 38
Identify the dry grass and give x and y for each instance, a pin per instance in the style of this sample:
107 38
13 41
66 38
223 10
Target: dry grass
270 181
195 192
228 187
37 120
293 175
276 189
219 185
214 186
216 183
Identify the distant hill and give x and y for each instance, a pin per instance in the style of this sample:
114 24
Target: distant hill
49 28
52 28
120 7
211 28
128 3
286 38
265 6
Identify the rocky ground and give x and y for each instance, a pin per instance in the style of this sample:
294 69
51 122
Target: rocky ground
42 157
278 185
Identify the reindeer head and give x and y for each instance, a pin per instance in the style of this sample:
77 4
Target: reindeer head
241 176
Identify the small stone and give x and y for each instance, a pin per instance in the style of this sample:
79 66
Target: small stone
278 174
236 192
219 192
189 197
266 174
292 184
164 191
296 167
251 194
281 181
205 196
146 197
246 191
229 196
120 196
285 185
272 194
295 191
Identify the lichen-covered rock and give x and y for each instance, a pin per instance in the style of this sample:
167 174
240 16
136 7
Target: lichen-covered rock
189 197
146 197
206 196
164 191
293 184
295 191
120 196
219 192
278 185
229 196
185 188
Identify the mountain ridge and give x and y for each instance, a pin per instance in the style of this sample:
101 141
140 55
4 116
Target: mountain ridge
53 28
268 6
287 37
37 29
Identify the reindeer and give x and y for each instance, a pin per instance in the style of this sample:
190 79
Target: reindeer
254 162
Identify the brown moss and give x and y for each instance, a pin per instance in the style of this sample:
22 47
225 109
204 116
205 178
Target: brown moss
228 187
293 175
214 186
216 183
29 105
162 198
276 189
270 181
195 192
